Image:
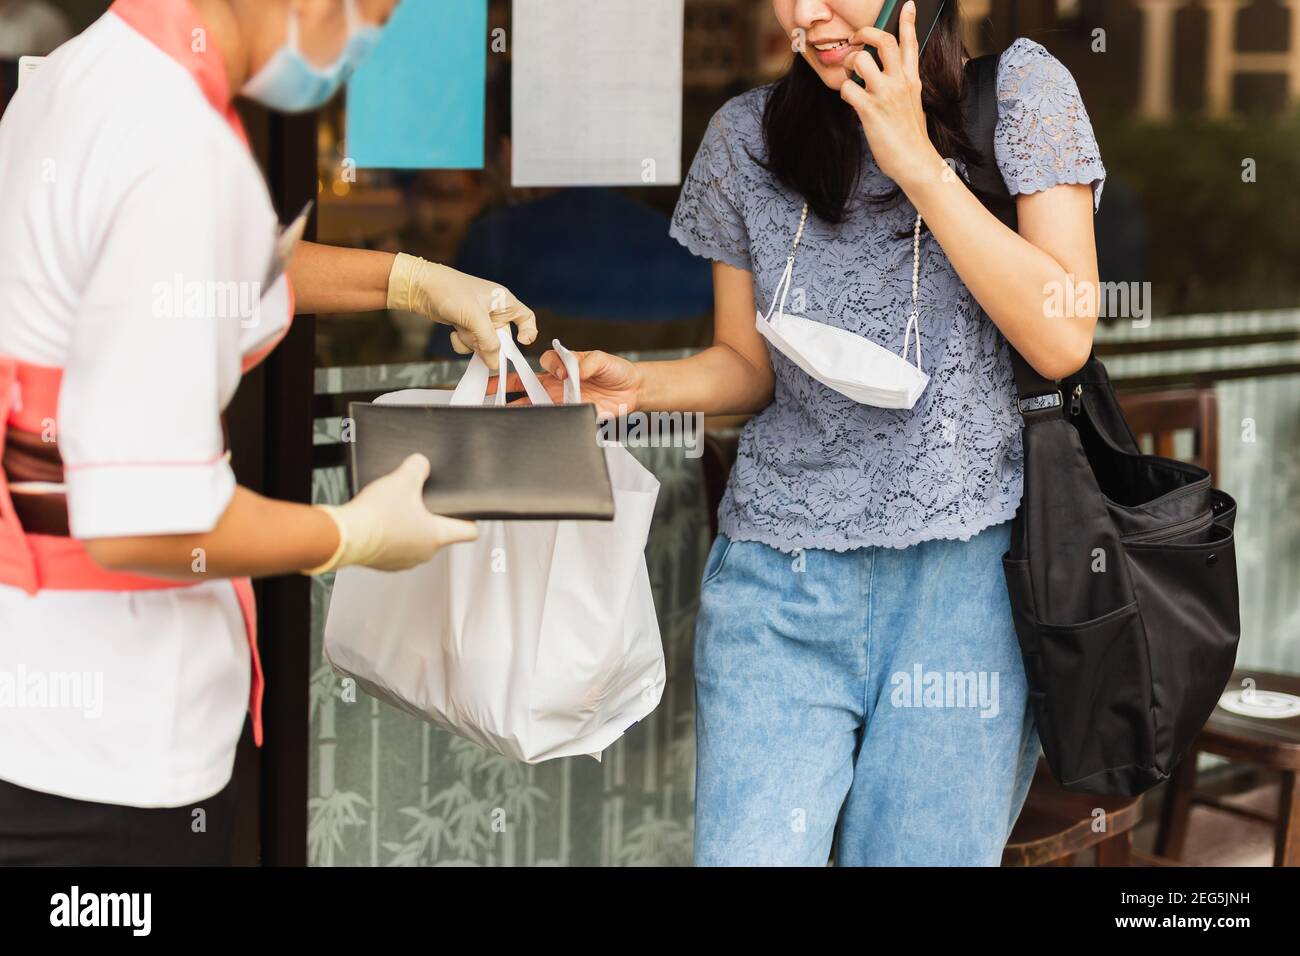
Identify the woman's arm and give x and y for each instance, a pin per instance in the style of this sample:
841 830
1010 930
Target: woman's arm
1017 278
733 376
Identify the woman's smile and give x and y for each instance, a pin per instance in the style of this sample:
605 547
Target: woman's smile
821 30
833 52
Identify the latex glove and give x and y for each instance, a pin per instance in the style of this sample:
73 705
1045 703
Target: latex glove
474 308
387 526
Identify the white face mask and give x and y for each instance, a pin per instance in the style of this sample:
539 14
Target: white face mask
848 363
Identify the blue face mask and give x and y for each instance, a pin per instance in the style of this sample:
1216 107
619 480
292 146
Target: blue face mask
290 83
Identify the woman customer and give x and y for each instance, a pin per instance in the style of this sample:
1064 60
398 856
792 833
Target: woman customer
855 656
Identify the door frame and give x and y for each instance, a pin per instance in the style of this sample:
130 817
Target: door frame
271 445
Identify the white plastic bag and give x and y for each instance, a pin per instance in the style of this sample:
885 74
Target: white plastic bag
539 640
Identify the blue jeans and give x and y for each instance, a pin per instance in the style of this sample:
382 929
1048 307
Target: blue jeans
879 688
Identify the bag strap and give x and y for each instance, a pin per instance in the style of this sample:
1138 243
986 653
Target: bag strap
980 110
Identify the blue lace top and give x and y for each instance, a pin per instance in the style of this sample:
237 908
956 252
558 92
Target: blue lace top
816 469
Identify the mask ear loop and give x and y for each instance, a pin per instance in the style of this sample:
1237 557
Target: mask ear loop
350 12
783 287
914 320
291 31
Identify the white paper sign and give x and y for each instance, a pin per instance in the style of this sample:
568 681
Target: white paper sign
597 92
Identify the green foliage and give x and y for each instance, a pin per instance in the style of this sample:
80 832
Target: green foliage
1215 243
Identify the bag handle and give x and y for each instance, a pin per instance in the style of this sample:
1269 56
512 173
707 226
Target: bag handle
572 380
473 386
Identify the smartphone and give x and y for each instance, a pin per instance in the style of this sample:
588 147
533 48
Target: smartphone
927 16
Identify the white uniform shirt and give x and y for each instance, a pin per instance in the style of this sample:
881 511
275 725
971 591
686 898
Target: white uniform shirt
135 239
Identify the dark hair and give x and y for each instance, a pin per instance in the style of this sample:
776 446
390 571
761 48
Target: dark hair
802 110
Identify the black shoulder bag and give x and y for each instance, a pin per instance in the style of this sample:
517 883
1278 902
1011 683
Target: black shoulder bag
1122 572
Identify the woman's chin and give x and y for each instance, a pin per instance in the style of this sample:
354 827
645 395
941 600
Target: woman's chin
835 77
832 76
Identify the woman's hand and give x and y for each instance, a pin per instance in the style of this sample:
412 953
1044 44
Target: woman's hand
890 104
474 308
610 383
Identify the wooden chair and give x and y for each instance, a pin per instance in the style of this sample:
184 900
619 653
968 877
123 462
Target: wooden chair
1162 414
1056 824
1270 743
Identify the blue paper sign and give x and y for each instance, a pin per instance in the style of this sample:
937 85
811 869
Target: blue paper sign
417 102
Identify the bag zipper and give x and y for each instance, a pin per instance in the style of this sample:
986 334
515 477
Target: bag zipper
1161 534
1076 399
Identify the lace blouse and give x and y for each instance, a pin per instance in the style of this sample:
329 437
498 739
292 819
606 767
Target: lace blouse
816 469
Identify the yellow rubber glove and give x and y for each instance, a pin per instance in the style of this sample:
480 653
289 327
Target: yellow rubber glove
474 308
387 526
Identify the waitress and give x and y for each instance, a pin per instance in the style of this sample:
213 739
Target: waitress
128 652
